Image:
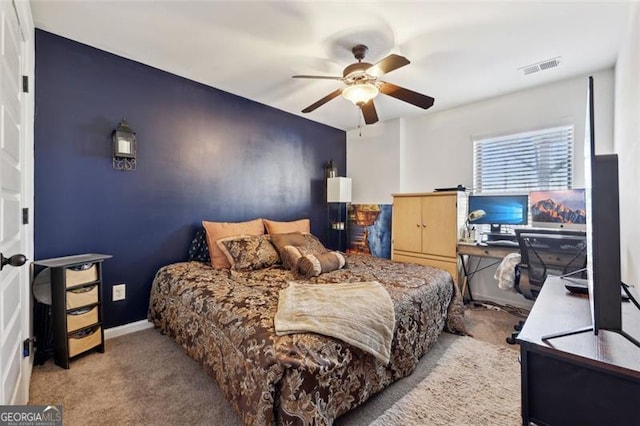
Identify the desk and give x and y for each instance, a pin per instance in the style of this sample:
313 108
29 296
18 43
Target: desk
470 250
551 257
581 379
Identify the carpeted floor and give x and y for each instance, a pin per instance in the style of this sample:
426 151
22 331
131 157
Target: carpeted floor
145 378
443 397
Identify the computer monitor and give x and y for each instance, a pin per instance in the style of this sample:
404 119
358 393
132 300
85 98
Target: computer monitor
500 210
565 209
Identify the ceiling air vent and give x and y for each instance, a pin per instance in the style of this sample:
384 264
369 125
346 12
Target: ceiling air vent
540 66
530 70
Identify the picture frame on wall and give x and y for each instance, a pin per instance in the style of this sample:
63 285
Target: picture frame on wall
370 229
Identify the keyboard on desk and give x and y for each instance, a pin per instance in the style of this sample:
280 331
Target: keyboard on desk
502 243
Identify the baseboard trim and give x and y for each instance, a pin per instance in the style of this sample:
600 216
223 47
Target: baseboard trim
132 327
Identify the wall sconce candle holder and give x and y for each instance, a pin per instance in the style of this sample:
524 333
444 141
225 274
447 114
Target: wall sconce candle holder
124 147
330 170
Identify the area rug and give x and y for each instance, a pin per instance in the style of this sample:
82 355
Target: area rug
146 378
473 383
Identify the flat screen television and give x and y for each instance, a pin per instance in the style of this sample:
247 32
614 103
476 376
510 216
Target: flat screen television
603 235
565 209
500 209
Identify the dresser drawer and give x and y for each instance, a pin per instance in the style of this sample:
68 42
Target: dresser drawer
77 344
81 276
82 296
77 320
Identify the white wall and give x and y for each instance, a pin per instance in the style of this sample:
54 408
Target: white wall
627 145
373 162
436 149
439 148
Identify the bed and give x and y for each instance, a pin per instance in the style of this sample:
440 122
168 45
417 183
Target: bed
224 320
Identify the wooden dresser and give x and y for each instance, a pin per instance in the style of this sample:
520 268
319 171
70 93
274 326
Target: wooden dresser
426 228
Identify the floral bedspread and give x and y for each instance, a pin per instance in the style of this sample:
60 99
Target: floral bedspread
224 321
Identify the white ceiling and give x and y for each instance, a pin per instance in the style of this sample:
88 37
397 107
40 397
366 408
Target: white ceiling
460 51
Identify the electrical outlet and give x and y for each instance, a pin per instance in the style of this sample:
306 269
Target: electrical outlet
119 292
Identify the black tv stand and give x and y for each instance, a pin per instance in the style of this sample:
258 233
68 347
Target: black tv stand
569 382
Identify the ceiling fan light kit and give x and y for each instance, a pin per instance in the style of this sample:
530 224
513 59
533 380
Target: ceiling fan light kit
361 79
360 93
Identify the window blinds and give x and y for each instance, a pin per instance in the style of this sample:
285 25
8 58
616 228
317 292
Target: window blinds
540 160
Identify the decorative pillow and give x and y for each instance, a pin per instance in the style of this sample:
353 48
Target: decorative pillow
218 230
273 227
249 252
296 239
199 250
280 241
313 243
311 265
290 256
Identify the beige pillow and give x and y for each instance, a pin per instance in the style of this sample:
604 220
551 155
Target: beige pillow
273 227
218 230
249 253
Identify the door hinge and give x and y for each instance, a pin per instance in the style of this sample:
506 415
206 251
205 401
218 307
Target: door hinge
25 83
25 215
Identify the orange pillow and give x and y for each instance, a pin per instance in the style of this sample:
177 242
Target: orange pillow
218 230
273 227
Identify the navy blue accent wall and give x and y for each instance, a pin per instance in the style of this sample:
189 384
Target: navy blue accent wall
202 154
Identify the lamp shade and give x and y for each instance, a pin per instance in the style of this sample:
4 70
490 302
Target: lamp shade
360 93
339 190
476 214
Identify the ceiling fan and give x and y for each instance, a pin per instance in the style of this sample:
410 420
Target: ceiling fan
363 84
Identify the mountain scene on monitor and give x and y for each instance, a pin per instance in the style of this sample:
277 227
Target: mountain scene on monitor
557 209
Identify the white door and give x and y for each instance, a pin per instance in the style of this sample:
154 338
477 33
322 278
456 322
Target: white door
16 193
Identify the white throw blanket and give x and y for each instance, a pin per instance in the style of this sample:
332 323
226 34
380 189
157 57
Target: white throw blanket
506 272
360 314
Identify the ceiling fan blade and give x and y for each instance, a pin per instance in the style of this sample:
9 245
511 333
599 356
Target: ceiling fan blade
369 112
323 101
322 77
388 64
414 98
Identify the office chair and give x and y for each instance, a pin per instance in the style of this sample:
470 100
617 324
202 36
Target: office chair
544 252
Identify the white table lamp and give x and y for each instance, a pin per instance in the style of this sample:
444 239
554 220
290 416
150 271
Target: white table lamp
339 190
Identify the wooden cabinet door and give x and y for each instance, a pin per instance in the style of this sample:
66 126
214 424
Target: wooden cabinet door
439 218
407 223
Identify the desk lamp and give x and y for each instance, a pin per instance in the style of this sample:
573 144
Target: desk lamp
472 217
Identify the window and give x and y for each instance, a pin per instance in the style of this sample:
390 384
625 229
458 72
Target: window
523 162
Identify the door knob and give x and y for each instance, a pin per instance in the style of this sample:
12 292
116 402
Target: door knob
15 260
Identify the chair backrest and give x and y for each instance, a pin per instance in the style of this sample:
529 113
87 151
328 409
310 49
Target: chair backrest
548 251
